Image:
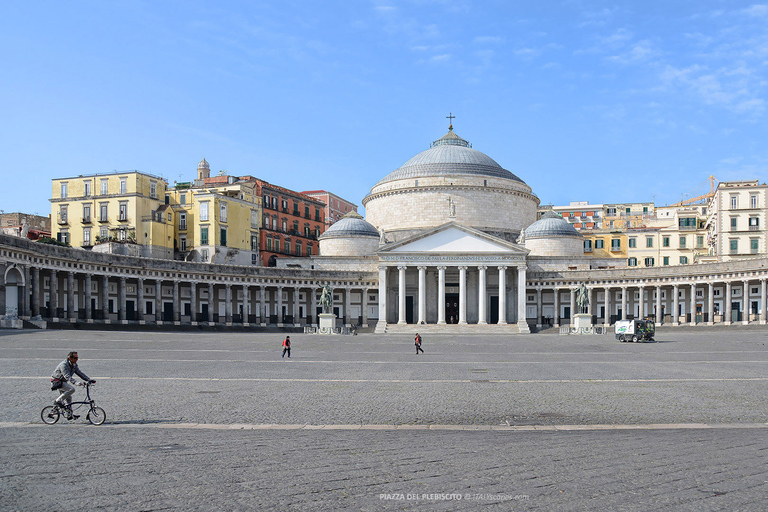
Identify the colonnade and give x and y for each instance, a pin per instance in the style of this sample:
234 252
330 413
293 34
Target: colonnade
707 302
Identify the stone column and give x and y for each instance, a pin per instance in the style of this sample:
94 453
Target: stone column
228 302
763 298
53 292
502 295
296 317
263 317
623 302
401 295
71 297
422 294
745 302
711 304
280 305
211 303
176 303
607 300
140 300
381 323
641 309
659 317
36 292
158 301
482 294
522 283
364 307
105 298
573 307
193 307
313 304
728 305
693 304
676 305
462 295
556 316
246 305
121 300
538 308
441 295
591 306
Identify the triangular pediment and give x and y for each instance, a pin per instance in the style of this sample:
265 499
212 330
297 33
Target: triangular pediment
453 238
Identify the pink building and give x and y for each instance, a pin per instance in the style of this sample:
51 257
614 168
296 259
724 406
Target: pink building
336 207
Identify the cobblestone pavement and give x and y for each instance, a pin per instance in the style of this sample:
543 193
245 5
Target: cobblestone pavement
543 422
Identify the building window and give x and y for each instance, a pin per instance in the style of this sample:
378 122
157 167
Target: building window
63 190
682 242
649 242
87 188
753 201
153 189
103 233
86 213
223 212
254 219
587 245
63 214
254 243
683 260
632 262
269 243
274 203
204 235
309 250
167 199
295 227
183 243
285 225
274 223
599 243
306 211
649 262
123 185
169 217
615 244
734 221
204 210
317 232
298 249
285 205
223 237
103 212
632 243
204 254
287 247
121 235
123 212
317 214
86 236
754 224
734 202
665 241
182 198
666 260
63 236
753 245
734 246
611 212
296 208
265 220
104 187
699 241
182 221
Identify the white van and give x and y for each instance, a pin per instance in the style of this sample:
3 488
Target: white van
635 330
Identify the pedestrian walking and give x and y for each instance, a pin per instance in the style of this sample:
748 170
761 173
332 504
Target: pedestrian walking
417 340
287 346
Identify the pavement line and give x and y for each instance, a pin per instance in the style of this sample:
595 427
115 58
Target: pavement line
389 362
412 381
466 428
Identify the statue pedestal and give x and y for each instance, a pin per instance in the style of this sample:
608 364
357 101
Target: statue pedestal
582 320
327 323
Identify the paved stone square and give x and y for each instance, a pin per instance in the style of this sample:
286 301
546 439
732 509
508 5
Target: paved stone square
219 421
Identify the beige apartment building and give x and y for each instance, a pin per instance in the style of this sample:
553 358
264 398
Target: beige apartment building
736 222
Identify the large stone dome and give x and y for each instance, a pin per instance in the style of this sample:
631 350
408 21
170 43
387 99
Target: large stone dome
448 182
552 235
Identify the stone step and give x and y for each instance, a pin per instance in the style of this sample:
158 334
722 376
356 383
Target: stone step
412 329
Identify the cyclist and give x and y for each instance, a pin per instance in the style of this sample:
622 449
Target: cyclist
64 374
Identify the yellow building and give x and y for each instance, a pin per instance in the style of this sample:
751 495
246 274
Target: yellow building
217 219
605 244
116 212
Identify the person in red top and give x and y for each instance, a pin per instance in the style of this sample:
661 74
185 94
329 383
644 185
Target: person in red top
287 346
417 340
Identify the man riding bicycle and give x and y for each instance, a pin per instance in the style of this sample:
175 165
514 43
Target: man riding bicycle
64 375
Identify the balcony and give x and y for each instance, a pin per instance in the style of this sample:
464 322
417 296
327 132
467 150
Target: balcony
122 218
62 220
754 228
86 220
104 219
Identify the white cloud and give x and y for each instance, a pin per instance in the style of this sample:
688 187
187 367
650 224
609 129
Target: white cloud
757 11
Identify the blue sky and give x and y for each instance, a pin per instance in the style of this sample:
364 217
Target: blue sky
584 100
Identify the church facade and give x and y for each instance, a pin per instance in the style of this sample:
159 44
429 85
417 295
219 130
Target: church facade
450 242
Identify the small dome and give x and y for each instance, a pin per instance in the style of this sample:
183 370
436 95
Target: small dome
550 225
352 224
203 164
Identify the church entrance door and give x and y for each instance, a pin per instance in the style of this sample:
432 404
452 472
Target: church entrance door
409 309
451 308
494 309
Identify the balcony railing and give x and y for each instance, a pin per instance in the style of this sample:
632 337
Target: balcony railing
754 228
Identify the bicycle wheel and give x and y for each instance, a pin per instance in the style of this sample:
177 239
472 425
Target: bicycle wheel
96 415
50 414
